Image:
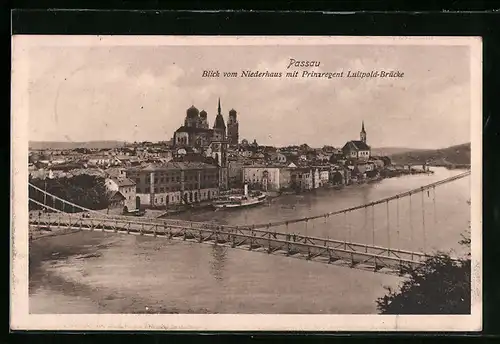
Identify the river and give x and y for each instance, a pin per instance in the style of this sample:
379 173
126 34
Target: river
94 272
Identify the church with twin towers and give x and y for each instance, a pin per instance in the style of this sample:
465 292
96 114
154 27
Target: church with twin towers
196 131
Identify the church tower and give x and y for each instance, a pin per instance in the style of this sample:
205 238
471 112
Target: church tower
219 125
362 134
232 128
219 149
203 120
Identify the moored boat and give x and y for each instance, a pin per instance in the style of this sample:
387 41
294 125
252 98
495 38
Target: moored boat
239 201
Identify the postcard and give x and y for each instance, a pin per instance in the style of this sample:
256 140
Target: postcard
246 183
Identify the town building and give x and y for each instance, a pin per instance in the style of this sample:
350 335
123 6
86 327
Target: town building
119 185
324 176
278 158
159 186
357 150
316 181
115 172
301 179
195 132
279 177
235 174
195 138
266 178
116 200
218 152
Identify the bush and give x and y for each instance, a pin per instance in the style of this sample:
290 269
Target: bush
441 286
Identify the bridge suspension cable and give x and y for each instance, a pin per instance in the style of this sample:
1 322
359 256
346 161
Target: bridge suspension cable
54 197
434 201
277 223
90 211
373 225
397 222
380 201
388 227
411 224
423 222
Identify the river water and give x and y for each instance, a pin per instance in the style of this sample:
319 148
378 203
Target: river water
94 272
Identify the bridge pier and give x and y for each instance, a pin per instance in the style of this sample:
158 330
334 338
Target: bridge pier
352 263
331 259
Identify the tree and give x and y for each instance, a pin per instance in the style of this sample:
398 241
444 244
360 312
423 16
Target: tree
84 190
304 147
441 286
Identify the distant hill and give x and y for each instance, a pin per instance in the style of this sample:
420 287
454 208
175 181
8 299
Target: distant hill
454 155
73 145
388 151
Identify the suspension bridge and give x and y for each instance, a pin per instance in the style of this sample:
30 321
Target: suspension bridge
281 237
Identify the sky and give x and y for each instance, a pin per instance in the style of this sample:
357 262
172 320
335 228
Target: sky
138 93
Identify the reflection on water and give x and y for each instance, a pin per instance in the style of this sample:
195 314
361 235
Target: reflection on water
217 262
141 274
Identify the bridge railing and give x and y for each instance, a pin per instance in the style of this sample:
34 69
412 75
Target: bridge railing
74 219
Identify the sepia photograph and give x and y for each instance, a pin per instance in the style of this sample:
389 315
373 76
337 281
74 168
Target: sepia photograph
246 183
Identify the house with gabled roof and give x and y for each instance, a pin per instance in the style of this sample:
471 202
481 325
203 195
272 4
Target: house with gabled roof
116 200
126 187
357 150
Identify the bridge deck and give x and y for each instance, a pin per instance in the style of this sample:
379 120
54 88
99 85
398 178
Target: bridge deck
355 255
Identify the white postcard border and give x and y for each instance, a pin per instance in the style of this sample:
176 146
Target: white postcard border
22 320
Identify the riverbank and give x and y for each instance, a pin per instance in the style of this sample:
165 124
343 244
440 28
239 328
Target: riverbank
36 233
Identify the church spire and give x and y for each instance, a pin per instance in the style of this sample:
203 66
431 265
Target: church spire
218 108
362 134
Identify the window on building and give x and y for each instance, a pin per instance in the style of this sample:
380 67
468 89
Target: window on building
147 190
138 190
162 189
161 200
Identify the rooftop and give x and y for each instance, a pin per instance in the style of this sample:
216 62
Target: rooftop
185 129
122 181
174 165
116 195
359 145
